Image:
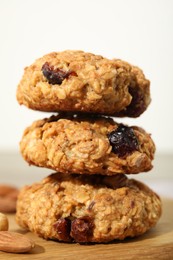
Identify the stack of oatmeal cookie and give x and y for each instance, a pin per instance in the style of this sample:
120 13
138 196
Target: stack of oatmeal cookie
89 198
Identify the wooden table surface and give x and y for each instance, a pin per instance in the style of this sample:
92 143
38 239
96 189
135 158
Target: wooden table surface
156 244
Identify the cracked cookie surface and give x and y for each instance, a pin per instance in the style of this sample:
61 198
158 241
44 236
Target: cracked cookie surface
81 208
83 82
87 145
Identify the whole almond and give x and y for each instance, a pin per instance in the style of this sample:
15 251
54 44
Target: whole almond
13 194
3 222
7 205
5 190
12 242
8 198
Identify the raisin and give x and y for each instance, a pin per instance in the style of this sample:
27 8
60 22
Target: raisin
55 76
82 229
123 140
116 181
63 227
137 105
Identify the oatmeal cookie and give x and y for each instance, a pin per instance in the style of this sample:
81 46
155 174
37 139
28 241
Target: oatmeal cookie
82 208
83 82
75 144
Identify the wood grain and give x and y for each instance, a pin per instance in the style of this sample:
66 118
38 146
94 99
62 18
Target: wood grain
156 244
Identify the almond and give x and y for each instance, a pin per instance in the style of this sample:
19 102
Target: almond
8 198
7 205
3 222
12 242
5 190
13 194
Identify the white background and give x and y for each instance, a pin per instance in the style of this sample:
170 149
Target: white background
138 31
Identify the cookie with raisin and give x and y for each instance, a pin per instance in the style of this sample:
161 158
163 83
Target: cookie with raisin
87 145
83 209
77 81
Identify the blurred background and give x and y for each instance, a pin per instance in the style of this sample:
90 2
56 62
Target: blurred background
137 31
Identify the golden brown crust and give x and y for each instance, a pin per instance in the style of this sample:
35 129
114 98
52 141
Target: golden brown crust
81 145
112 207
96 85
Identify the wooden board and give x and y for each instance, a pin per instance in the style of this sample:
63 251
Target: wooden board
156 244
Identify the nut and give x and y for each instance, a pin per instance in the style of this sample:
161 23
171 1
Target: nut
12 242
3 222
7 205
6 190
8 197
